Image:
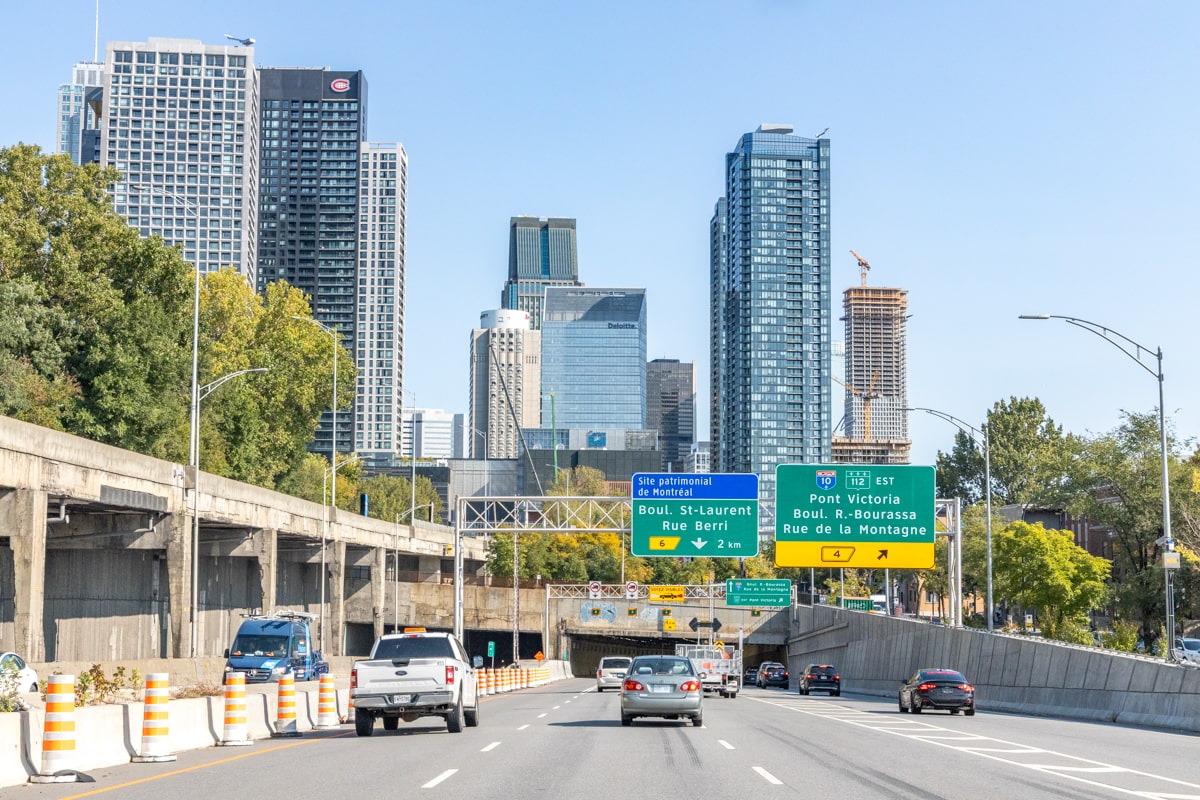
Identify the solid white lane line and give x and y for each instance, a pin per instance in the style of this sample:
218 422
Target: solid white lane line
523 727
491 746
439 779
725 744
768 776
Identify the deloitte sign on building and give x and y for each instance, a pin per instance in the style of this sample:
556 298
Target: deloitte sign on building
854 515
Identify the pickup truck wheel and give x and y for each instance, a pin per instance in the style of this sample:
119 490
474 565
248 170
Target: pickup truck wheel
454 720
472 715
364 723
391 723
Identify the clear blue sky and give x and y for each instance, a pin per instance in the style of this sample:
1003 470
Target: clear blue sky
991 158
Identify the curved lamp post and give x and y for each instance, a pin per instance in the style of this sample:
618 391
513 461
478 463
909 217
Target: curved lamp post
198 394
1135 351
976 435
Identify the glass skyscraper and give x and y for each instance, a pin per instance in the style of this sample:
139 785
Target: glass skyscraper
594 358
774 305
671 409
541 253
76 116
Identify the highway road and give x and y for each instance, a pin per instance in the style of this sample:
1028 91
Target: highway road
565 741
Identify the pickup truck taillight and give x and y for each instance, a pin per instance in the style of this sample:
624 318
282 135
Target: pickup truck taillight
354 678
449 675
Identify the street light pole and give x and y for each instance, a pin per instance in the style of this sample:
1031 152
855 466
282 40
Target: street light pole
973 432
1134 351
198 394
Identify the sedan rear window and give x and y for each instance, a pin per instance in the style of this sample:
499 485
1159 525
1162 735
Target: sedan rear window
942 675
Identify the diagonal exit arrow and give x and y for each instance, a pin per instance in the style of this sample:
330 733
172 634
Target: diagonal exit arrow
882 555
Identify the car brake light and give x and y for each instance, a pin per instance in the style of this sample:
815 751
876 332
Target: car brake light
810 676
966 687
689 686
633 686
354 678
925 687
449 674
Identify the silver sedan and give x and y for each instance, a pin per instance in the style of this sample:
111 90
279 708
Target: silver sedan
662 686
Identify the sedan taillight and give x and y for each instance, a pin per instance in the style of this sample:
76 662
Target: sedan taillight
925 687
689 686
633 686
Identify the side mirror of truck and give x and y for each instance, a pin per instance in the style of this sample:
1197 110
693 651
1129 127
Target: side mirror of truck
477 662
227 652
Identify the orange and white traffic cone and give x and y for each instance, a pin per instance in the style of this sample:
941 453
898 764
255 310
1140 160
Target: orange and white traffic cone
58 733
285 708
236 733
327 716
156 740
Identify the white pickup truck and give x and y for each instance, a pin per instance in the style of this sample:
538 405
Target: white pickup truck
412 675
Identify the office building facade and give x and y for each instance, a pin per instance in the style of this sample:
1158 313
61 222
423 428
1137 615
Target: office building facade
78 134
671 409
505 383
541 253
428 433
594 358
180 122
774 304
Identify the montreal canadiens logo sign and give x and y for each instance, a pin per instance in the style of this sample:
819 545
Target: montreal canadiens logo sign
340 85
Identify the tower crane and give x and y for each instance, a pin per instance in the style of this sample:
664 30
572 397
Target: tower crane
862 265
866 397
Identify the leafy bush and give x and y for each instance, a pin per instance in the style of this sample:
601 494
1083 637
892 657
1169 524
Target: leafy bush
10 690
1123 636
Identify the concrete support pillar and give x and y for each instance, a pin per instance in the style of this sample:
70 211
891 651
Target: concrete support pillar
337 599
267 545
179 583
379 590
429 569
23 519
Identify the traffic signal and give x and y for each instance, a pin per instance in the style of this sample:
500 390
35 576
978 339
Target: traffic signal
756 612
632 612
666 612
595 611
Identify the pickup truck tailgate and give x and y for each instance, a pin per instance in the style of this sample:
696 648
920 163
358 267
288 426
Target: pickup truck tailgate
383 676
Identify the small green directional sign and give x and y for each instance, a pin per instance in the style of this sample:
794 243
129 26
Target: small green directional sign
758 592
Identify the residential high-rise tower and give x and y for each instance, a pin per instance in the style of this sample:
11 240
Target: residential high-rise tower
505 381
180 121
774 304
77 117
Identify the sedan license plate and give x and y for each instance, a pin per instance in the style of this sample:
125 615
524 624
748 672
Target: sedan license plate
661 689
401 699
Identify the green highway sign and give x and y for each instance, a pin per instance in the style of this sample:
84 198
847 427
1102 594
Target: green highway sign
854 515
758 592
491 649
694 515
857 603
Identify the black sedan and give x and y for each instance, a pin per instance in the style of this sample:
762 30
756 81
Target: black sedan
821 678
772 673
937 688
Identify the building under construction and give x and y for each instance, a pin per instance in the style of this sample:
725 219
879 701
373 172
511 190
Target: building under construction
876 384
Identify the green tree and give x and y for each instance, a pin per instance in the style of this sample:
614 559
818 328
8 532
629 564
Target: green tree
1117 483
1045 570
117 308
1029 457
257 427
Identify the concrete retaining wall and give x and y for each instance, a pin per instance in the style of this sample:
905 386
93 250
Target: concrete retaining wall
1010 673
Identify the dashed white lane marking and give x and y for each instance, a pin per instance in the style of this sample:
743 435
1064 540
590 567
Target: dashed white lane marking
725 744
491 746
523 727
541 715
1073 768
439 779
556 708
768 776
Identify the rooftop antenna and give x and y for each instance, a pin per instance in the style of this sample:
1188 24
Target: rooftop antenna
96 40
243 42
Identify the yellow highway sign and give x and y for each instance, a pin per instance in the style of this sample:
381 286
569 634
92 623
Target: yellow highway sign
669 624
664 542
889 555
665 594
